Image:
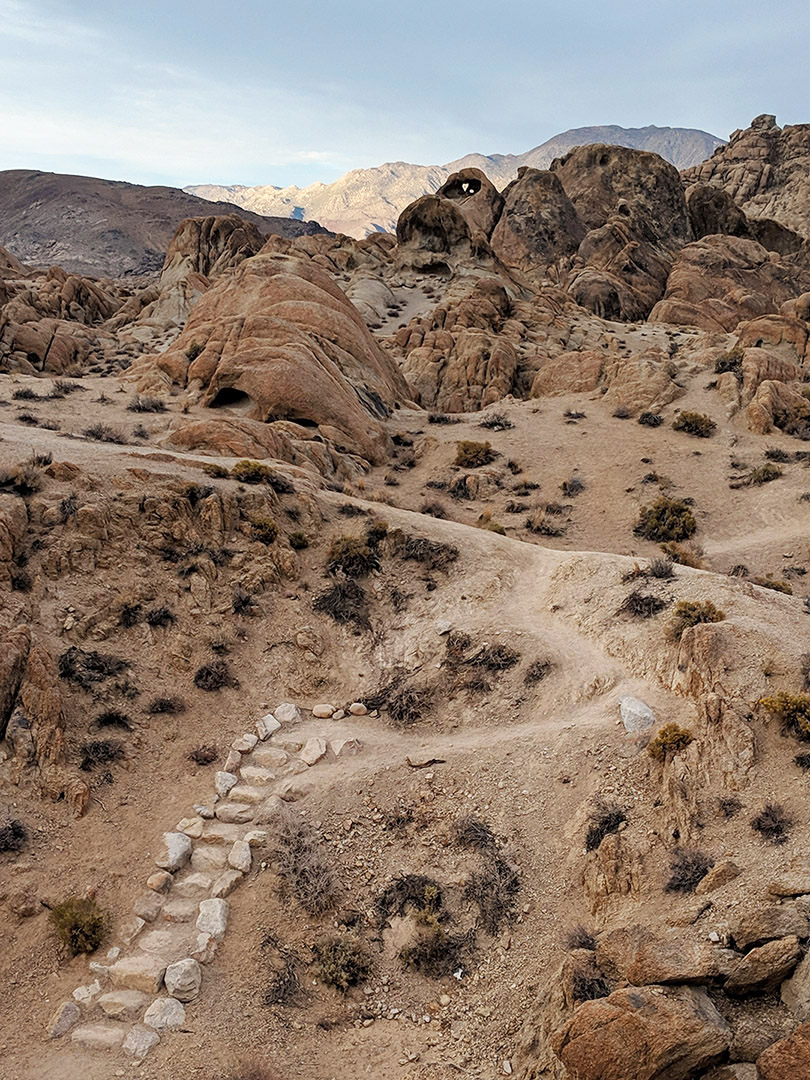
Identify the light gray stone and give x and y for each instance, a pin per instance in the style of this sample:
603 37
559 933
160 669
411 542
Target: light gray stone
313 750
239 856
291 791
287 713
795 991
205 949
207 858
245 743
142 971
256 775
223 782
176 851
233 761
245 793
226 883
180 911
66 1016
338 714
346 747
235 813
139 1041
636 716
130 930
165 1014
183 979
99 1036
323 712
357 708
269 757
256 838
123 1004
84 995
205 812
269 810
193 887
267 726
213 918
217 832
147 907
191 826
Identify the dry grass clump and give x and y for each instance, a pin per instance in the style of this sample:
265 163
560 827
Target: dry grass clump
352 556
204 755
677 553
605 819
298 541
791 710
263 529
432 554
640 605
443 418
775 584
669 741
773 823
24 478
250 1071
343 961
112 718
214 470
243 602
691 613
145 404
160 616
471 832
495 658
105 433
729 806
472 455
763 474
651 419
305 869
496 422
129 615
802 760
409 894
437 953
407 706
80 924
536 672
572 487
214 675
588 985
345 602
694 423
579 937
493 889
433 509
85 666
250 472
194 350
284 984
688 867
13 835
159 705
666 519
100 752
542 523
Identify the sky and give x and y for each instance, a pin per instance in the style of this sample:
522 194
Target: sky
263 92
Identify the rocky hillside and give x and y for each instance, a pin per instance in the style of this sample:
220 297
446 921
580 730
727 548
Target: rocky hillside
369 200
104 228
402 653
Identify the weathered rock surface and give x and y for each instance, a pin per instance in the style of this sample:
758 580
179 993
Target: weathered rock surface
763 968
183 979
787 1059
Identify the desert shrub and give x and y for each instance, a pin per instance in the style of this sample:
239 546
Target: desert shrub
443 418
513 507
514 467
406 706
773 823
763 474
25 393
651 419
690 613
283 985
343 961
802 760
80 924
774 453
688 867
145 404
573 414
493 889
729 806
471 455
196 493
250 472
661 569
432 554
541 523
640 605
376 533
572 487
579 937
670 740
776 584
85 666
168 705
215 471
28 419
112 718
345 602
739 570
536 672
243 602
305 869
495 658
129 615
21 580
437 953
13 835
791 710
496 422
194 350
160 616
588 985
694 423
204 755
666 519
681 555
298 541
100 752
471 832
214 676
63 387
23 478
105 433
605 819
434 509
731 360
621 412
68 507
414 894
353 556
263 529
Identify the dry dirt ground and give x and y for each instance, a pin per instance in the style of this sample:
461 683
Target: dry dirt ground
528 759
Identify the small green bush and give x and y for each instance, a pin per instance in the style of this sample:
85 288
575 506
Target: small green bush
471 455
690 613
250 472
694 423
80 924
666 519
343 961
670 740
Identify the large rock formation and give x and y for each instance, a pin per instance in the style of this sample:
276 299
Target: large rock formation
766 171
539 223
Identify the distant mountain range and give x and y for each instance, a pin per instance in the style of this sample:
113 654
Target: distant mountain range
105 228
368 200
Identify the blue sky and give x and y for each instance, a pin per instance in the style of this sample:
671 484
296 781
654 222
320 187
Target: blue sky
266 92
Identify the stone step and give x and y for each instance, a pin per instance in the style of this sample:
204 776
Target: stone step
246 793
99 1036
256 775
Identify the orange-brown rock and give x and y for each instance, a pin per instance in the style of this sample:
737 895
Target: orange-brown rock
476 197
638 955
538 224
14 648
569 373
788 1059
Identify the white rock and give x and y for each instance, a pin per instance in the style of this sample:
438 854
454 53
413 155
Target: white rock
313 750
246 793
66 1016
85 994
176 852
636 716
239 857
235 813
233 761
206 948
123 1004
357 708
256 774
256 838
269 757
165 1014
183 979
208 858
226 883
224 781
287 713
140 972
213 918
323 712
195 886
245 743
267 726
99 1036
346 747
139 1041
